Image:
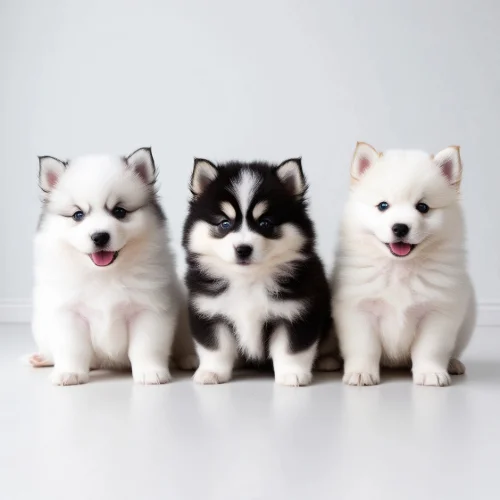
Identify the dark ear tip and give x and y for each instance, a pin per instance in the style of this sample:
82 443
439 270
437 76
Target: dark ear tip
199 160
147 149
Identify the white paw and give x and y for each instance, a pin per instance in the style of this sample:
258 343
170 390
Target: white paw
293 379
327 364
153 376
189 362
69 378
456 367
439 379
361 378
207 377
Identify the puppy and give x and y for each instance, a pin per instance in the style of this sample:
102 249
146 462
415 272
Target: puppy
257 288
106 294
402 295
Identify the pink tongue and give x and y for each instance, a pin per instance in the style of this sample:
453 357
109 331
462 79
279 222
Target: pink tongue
400 249
102 258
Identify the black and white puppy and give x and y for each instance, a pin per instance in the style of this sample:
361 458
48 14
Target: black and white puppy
257 287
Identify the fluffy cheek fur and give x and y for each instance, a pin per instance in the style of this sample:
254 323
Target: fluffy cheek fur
265 250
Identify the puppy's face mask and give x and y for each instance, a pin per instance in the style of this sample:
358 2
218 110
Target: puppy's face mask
402 198
98 205
246 216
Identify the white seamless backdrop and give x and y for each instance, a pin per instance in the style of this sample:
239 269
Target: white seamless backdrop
267 79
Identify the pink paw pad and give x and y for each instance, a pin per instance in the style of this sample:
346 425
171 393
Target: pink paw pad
37 360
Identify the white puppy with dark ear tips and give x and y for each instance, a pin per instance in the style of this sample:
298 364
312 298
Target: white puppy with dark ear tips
401 293
106 293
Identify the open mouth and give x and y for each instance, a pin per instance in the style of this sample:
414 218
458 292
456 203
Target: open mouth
400 248
103 258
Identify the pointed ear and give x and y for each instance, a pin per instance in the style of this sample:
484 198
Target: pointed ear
50 172
204 172
364 158
291 175
143 164
450 163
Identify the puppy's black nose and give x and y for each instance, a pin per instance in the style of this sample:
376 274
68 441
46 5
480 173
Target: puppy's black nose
400 230
244 251
100 239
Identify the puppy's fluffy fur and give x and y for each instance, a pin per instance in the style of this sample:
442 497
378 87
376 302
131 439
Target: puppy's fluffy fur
257 287
402 295
106 293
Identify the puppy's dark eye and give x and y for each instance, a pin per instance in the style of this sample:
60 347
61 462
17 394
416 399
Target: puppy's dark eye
266 223
423 208
119 213
78 216
383 206
225 225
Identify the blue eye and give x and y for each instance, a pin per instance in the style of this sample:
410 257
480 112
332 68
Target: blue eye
423 208
78 216
225 225
265 224
119 213
383 206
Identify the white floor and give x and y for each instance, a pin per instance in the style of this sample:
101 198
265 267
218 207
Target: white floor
248 439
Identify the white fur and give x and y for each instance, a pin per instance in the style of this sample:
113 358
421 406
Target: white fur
290 369
119 316
244 189
419 309
216 366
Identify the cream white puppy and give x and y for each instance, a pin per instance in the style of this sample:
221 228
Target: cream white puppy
106 294
401 293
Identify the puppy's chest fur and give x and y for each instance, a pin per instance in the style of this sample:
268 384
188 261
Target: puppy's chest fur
108 313
249 305
398 297
109 307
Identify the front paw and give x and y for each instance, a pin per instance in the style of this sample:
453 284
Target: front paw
293 379
361 378
209 377
69 378
151 376
436 379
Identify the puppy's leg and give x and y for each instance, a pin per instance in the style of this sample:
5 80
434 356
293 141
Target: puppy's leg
43 357
456 367
151 337
216 365
432 349
292 369
360 346
72 349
